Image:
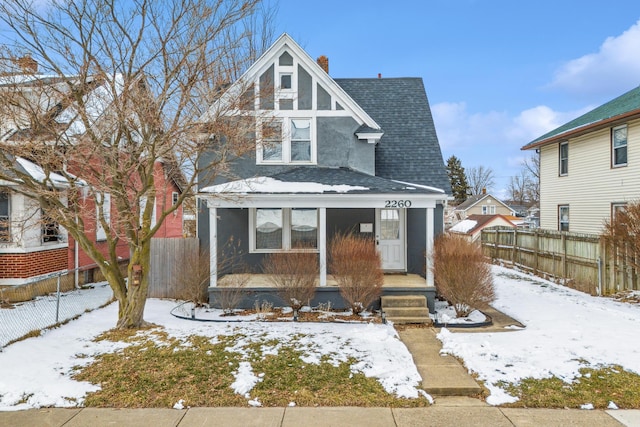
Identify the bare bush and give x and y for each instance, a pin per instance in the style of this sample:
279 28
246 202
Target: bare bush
231 288
193 278
462 275
294 275
623 233
357 267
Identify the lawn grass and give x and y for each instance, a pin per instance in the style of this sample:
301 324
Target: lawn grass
597 386
157 370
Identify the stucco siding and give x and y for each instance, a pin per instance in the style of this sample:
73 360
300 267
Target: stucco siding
591 185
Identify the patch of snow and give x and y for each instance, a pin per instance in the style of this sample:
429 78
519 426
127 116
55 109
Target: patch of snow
464 226
587 406
263 184
612 405
179 404
565 330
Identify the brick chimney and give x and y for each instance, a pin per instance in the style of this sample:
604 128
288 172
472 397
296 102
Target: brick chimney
27 64
323 61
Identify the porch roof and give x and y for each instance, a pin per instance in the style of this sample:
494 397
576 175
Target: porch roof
320 186
320 180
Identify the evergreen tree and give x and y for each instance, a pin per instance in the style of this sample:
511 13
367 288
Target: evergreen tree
458 179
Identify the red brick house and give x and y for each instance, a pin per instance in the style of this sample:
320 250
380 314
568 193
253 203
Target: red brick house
32 246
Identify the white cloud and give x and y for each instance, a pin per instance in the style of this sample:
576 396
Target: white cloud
493 139
615 68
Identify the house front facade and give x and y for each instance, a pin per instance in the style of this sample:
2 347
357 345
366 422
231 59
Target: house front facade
481 204
331 156
590 166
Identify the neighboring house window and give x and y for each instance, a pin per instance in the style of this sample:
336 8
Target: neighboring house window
50 229
287 141
174 198
284 229
488 210
5 231
564 159
563 217
105 209
619 146
616 208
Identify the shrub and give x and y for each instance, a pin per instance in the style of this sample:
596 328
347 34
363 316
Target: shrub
193 278
462 275
231 288
623 233
357 267
294 275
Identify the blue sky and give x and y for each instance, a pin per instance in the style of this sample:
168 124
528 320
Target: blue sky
498 73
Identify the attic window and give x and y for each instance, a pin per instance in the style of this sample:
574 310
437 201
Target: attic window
285 81
285 59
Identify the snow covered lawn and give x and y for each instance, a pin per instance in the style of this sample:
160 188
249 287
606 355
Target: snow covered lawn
565 331
36 372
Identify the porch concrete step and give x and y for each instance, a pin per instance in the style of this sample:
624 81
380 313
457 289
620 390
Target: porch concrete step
403 301
393 312
405 320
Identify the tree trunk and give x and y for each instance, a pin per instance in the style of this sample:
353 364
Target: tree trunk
131 306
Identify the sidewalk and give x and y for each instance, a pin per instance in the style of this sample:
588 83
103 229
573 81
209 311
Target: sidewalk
459 412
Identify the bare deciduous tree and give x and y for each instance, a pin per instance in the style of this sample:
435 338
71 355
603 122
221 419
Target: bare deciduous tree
480 178
105 91
524 188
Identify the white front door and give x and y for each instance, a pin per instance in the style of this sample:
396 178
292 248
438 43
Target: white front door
390 232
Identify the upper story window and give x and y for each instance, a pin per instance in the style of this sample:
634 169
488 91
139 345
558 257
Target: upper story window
103 211
174 198
287 141
563 158
5 231
619 146
488 209
563 217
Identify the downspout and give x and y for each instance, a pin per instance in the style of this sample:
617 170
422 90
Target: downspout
76 273
599 276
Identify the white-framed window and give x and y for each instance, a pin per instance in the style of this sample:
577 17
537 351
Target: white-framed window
50 229
488 209
287 140
174 198
563 217
563 158
616 208
619 146
283 229
103 206
5 216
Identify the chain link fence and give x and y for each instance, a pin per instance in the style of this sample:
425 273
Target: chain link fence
46 303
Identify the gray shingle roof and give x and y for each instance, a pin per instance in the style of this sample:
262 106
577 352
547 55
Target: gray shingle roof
409 150
345 176
627 103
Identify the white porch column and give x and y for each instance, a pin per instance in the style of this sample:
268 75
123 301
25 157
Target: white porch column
322 245
213 246
429 247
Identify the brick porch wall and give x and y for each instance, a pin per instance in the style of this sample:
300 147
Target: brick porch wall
22 266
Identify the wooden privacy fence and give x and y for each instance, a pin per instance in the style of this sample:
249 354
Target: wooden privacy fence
171 260
580 261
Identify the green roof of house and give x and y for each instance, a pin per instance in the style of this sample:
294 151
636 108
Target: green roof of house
622 106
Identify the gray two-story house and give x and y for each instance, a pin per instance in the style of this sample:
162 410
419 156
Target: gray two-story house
331 155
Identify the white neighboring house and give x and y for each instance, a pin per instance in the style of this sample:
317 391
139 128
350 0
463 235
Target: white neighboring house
590 166
31 244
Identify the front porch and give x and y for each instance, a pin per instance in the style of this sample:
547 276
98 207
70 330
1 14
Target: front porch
259 288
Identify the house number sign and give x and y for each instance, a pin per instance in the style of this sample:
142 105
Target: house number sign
397 203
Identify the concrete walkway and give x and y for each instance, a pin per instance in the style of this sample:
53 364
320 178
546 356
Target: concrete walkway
452 411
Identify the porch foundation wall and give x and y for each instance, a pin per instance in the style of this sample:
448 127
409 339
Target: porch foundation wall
323 295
